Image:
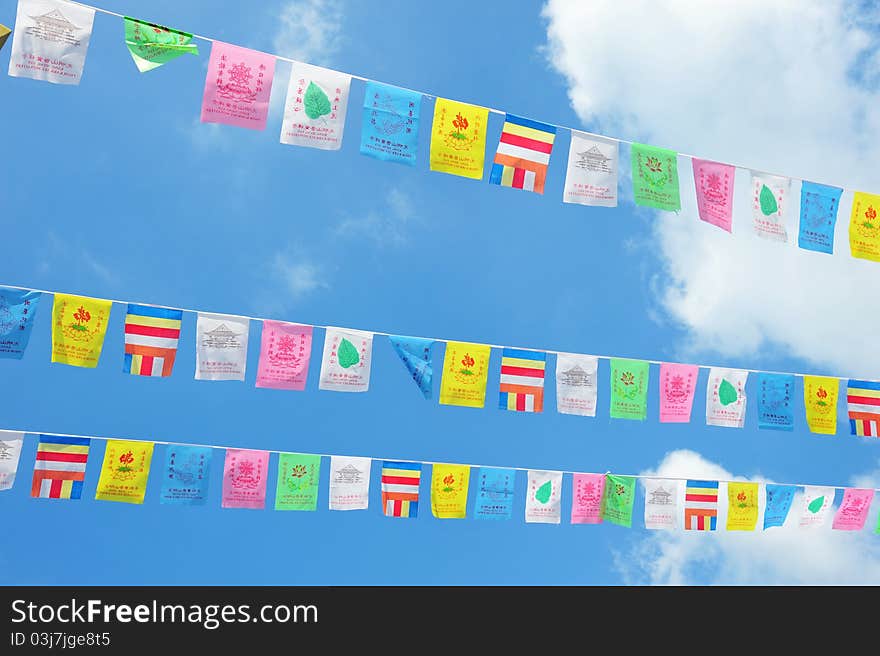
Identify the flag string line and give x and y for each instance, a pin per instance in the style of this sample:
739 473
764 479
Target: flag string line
433 96
411 460
433 339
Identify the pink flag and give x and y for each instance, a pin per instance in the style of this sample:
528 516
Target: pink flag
237 86
677 384
714 183
853 510
586 502
284 355
244 479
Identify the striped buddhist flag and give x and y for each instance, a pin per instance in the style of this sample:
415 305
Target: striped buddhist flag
701 506
522 380
523 154
151 335
60 467
863 406
400 488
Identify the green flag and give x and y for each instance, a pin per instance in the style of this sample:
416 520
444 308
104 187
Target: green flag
629 389
153 45
4 34
617 499
297 487
655 177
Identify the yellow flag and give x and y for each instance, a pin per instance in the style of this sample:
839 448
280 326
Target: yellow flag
465 374
458 138
4 34
79 324
449 490
820 400
742 506
864 227
125 471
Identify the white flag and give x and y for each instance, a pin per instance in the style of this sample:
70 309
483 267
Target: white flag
221 347
10 452
345 366
661 503
591 178
349 483
314 112
543 497
576 384
50 41
816 506
769 198
726 397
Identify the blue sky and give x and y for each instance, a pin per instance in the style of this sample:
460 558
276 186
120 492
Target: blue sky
114 189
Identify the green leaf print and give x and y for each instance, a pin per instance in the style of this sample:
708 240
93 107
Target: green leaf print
816 504
727 393
768 201
347 354
543 492
316 102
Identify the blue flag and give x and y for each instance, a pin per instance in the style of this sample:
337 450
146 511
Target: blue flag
494 493
17 311
185 476
390 126
779 499
415 352
775 396
819 204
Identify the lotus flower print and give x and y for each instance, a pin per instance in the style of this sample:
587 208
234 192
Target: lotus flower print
741 498
620 489
448 480
461 124
654 165
627 378
821 394
82 316
298 471
125 461
467 362
870 215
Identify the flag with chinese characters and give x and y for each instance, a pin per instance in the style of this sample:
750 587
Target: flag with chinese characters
415 353
576 392
237 86
465 374
655 177
390 123
79 325
522 380
458 138
543 497
816 506
400 488
449 491
60 467
586 500
863 407
853 509
314 111
51 40
778 503
661 503
185 475
495 490
775 398
591 177
10 452
152 45
4 34
769 196
701 505
285 351
819 205
244 479
714 185
629 389
523 154
298 477
17 311
864 227
151 336
677 386
618 498
742 506
820 401
349 483
125 471
221 347
726 397
345 366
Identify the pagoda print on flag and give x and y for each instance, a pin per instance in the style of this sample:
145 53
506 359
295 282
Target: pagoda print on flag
522 380
819 205
285 351
576 392
661 503
314 111
775 397
10 453
523 154
701 506
820 402
60 467
864 227
221 347
345 366
591 177
677 386
237 86
400 488
151 336
349 483
543 497
17 311
714 185
769 196
79 325
816 506
726 397
853 509
863 407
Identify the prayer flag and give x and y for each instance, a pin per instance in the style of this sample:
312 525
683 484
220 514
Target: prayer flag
701 505
820 401
125 471
221 347
10 452
285 350
779 498
390 125
186 474
348 355
864 227
769 195
677 387
819 205
661 503
495 493
314 111
523 154
543 497
60 467
458 138
17 311
714 184
151 336
400 488
349 483
4 34
853 509
465 374
415 353
655 177
586 501
79 325
244 479
775 398
742 506
298 477
449 491
522 380
152 45
863 407
629 389
576 384
618 498
237 86
726 398
817 504
591 177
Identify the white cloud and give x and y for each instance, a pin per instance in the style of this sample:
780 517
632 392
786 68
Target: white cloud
309 30
787 555
298 275
386 226
783 86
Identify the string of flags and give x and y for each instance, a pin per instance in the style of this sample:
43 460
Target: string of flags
151 335
51 40
692 505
